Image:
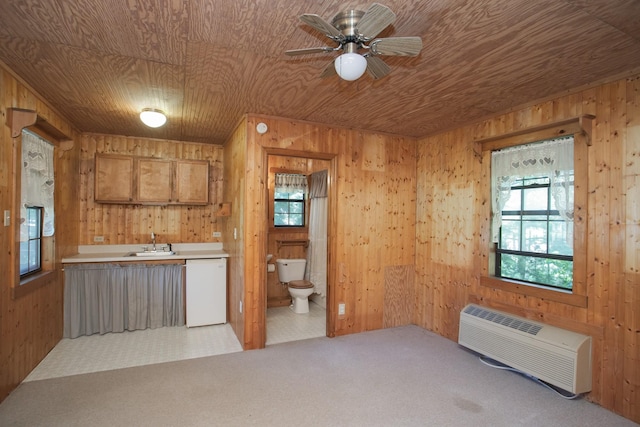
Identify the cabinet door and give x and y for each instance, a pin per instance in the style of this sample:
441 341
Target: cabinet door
192 182
154 181
113 179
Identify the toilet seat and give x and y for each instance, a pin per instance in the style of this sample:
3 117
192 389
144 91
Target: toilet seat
300 284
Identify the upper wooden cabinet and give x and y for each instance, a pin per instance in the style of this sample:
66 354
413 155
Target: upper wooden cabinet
114 179
154 181
138 180
192 182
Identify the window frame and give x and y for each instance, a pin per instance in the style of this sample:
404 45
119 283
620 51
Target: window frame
289 202
270 203
581 129
19 119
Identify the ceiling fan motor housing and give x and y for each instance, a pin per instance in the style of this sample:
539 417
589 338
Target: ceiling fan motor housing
346 22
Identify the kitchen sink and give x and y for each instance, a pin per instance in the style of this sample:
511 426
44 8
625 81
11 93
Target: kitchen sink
152 253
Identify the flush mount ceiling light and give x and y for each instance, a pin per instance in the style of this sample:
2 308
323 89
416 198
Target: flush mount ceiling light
356 30
153 118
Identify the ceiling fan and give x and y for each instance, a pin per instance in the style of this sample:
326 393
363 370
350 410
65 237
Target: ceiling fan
356 30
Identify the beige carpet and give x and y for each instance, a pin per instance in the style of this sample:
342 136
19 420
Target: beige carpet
396 377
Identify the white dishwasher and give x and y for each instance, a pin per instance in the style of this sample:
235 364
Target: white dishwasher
206 291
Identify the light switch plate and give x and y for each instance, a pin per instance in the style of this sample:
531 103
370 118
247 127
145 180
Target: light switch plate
7 218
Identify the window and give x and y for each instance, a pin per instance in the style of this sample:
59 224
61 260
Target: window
31 240
289 209
36 201
31 248
535 243
532 194
571 189
289 200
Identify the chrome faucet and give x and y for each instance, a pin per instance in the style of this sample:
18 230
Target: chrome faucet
153 240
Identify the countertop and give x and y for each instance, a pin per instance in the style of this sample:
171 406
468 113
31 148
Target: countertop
119 253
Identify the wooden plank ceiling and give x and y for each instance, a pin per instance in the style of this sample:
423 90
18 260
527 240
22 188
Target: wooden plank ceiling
207 62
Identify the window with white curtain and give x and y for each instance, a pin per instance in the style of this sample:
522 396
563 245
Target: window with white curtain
289 200
532 212
36 200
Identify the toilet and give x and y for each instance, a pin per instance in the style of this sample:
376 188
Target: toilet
291 272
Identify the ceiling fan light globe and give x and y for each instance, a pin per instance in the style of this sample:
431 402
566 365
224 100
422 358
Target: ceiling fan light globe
153 118
350 66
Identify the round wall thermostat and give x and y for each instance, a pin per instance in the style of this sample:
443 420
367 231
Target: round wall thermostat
261 127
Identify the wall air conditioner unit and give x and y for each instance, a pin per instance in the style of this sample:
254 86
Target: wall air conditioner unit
557 356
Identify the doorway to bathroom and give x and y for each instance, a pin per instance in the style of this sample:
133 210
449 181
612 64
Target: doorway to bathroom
294 233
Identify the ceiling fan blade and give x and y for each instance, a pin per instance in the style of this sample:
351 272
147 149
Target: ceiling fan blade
375 19
396 46
376 67
329 70
295 52
321 25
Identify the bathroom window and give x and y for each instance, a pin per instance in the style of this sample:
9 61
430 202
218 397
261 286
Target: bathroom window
288 209
289 200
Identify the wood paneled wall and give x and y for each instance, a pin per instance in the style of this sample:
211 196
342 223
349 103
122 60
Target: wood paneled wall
452 229
128 224
235 168
371 219
31 325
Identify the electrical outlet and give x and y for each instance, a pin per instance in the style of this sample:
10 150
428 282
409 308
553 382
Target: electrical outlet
216 234
98 239
341 309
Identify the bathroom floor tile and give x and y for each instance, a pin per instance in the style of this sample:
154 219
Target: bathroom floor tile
284 325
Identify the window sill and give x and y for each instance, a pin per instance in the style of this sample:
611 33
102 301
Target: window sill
32 283
288 230
533 291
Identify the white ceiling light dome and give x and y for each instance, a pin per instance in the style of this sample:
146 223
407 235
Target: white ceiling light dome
350 66
153 118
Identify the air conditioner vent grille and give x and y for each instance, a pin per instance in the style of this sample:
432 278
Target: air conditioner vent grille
552 354
501 319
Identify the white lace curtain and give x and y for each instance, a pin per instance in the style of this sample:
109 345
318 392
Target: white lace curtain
553 159
290 182
36 182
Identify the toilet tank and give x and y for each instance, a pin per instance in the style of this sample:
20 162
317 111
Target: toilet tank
291 269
